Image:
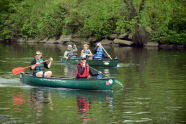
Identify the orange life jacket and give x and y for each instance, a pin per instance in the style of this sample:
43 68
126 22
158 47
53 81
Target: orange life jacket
86 71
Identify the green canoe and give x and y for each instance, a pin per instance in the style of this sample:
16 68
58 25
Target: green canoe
102 63
87 84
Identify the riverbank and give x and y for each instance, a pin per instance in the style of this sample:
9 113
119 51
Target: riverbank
115 21
124 40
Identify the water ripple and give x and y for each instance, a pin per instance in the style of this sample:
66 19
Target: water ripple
137 121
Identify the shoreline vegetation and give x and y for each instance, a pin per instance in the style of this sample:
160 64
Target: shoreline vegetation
135 23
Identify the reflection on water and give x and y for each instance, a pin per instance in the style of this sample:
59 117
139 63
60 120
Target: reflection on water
83 105
69 70
108 71
40 98
18 100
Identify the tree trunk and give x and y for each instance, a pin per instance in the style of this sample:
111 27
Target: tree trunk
140 36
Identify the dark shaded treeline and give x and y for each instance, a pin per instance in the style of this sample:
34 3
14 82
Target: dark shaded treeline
139 21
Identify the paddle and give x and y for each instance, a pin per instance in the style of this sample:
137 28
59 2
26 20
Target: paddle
106 52
117 82
18 70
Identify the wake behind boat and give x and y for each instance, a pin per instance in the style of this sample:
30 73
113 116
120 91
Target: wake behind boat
73 83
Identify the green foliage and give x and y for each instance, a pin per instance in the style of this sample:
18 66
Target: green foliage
99 16
163 19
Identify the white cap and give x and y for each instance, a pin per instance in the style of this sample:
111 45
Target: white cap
98 44
69 46
38 52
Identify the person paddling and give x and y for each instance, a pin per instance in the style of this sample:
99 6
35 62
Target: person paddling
86 53
83 70
99 52
38 70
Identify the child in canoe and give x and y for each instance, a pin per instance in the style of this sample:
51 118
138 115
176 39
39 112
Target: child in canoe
86 53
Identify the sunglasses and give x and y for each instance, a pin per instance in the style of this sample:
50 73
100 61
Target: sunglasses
38 54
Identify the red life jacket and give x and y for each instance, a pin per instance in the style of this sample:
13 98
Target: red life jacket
86 71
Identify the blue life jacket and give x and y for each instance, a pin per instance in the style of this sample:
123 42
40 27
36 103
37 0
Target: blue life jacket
40 67
98 54
99 76
86 52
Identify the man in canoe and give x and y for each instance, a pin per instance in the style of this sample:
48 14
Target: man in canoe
38 70
83 70
99 52
86 53
71 52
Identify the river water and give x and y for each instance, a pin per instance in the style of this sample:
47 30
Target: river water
154 92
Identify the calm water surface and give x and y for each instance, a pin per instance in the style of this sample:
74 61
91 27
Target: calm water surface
154 93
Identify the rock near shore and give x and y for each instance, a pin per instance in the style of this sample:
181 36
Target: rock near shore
151 44
123 42
106 42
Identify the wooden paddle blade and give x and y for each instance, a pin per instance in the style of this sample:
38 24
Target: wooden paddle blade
18 70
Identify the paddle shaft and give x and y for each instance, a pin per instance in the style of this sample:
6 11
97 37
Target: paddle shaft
106 52
37 64
97 70
117 82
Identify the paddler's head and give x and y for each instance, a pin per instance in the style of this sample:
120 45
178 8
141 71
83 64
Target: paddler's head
69 47
38 54
85 46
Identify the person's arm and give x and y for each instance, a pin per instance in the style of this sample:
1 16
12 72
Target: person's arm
75 51
80 69
82 54
75 48
93 74
49 64
104 55
95 50
90 54
65 55
32 63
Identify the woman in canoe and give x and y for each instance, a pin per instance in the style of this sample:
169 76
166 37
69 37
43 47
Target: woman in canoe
71 52
38 70
83 70
99 52
86 53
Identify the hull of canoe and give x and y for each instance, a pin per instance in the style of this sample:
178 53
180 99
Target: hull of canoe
103 63
87 84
